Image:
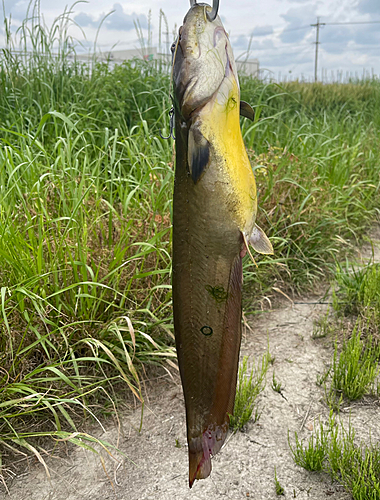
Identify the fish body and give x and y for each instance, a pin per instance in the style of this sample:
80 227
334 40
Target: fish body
214 212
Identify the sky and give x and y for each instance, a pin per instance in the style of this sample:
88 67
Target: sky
276 32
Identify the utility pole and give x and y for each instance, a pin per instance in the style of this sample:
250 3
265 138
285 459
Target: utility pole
317 42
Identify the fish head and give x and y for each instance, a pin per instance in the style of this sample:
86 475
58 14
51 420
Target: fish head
202 59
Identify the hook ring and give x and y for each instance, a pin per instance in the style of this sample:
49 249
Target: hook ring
214 12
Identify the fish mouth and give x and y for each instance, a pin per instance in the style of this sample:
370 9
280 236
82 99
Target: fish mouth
200 60
188 102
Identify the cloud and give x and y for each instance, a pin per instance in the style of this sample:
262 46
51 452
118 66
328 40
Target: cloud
285 60
367 35
85 20
118 20
262 31
338 39
242 42
124 22
335 39
297 18
17 10
369 6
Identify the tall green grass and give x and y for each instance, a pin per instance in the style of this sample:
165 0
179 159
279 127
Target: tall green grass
85 216
317 167
85 194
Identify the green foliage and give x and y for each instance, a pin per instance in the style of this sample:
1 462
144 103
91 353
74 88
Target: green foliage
85 217
332 449
359 290
277 485
276 385
311 456
317 174
85 194
355 368
247 391
323 326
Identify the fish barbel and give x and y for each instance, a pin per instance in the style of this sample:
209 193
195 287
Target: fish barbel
214 212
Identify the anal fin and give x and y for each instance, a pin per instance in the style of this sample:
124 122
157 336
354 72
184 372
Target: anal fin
203 446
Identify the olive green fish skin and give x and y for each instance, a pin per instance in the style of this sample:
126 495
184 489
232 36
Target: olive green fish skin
214 212
214 207
206 256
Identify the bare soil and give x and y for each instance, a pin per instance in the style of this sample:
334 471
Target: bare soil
156 467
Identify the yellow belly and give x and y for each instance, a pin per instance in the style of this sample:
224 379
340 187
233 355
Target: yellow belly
221 127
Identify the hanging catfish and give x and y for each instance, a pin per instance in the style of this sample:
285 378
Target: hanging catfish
214 212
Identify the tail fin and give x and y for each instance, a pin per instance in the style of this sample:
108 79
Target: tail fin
201 449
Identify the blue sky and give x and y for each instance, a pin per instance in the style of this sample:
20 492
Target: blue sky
279 30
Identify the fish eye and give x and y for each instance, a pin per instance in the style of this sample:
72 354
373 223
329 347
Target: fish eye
172 48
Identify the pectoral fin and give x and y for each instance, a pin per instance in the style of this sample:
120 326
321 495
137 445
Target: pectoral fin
198 152
247 110
260 241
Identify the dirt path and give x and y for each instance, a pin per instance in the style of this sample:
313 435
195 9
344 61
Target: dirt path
245 466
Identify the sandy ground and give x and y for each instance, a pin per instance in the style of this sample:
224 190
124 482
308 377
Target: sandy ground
157 468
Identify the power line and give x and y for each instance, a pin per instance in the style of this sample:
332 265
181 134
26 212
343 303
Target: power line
274 32
357 22
317 42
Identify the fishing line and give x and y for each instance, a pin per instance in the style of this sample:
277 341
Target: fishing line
171 112
208 17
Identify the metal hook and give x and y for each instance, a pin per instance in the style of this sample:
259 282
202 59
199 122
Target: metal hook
171 124
215 7
214 12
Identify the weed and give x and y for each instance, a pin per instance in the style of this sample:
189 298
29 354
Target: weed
332 449
333 399
272 359
279 489
248 390
321 379
311 456
276 385
85 216
323 326
354 370
359 291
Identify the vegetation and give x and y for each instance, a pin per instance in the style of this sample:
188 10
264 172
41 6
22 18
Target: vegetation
353 373
358 291
85 218
279 489
247 391
355 363
334 450
355 368
85 193
276 385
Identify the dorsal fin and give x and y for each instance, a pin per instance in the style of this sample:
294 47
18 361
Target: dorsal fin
247 110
